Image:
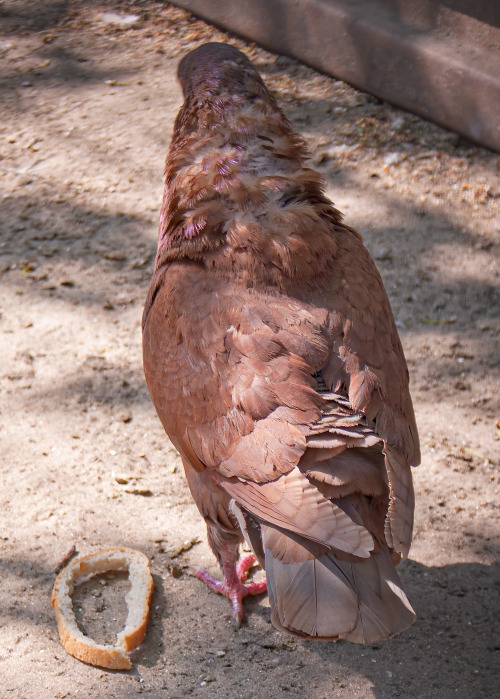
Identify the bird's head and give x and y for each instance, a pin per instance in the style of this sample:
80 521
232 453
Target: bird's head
237 187
213 68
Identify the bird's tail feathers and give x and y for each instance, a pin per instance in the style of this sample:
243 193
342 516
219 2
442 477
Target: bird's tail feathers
328 598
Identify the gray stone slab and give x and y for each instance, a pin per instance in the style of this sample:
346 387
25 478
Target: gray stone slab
439 59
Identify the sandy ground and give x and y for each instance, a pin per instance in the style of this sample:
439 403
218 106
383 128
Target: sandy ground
86 112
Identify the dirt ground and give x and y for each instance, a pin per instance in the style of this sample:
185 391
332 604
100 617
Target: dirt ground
86 111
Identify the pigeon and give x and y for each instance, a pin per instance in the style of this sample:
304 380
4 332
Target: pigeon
274 363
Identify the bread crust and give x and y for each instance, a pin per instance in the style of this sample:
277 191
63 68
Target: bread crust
114 657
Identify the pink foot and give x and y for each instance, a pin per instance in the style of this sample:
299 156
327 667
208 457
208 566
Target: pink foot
234 586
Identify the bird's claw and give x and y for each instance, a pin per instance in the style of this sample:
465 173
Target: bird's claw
234 585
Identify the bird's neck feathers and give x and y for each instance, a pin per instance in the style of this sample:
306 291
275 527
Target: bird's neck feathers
238 192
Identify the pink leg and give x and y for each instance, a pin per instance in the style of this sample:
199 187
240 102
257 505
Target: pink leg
233 586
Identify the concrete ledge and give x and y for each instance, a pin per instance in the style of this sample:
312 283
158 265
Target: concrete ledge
437 58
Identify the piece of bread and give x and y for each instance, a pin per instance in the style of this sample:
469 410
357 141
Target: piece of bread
138 601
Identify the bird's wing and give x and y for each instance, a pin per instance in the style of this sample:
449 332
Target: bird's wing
229 372
367 362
